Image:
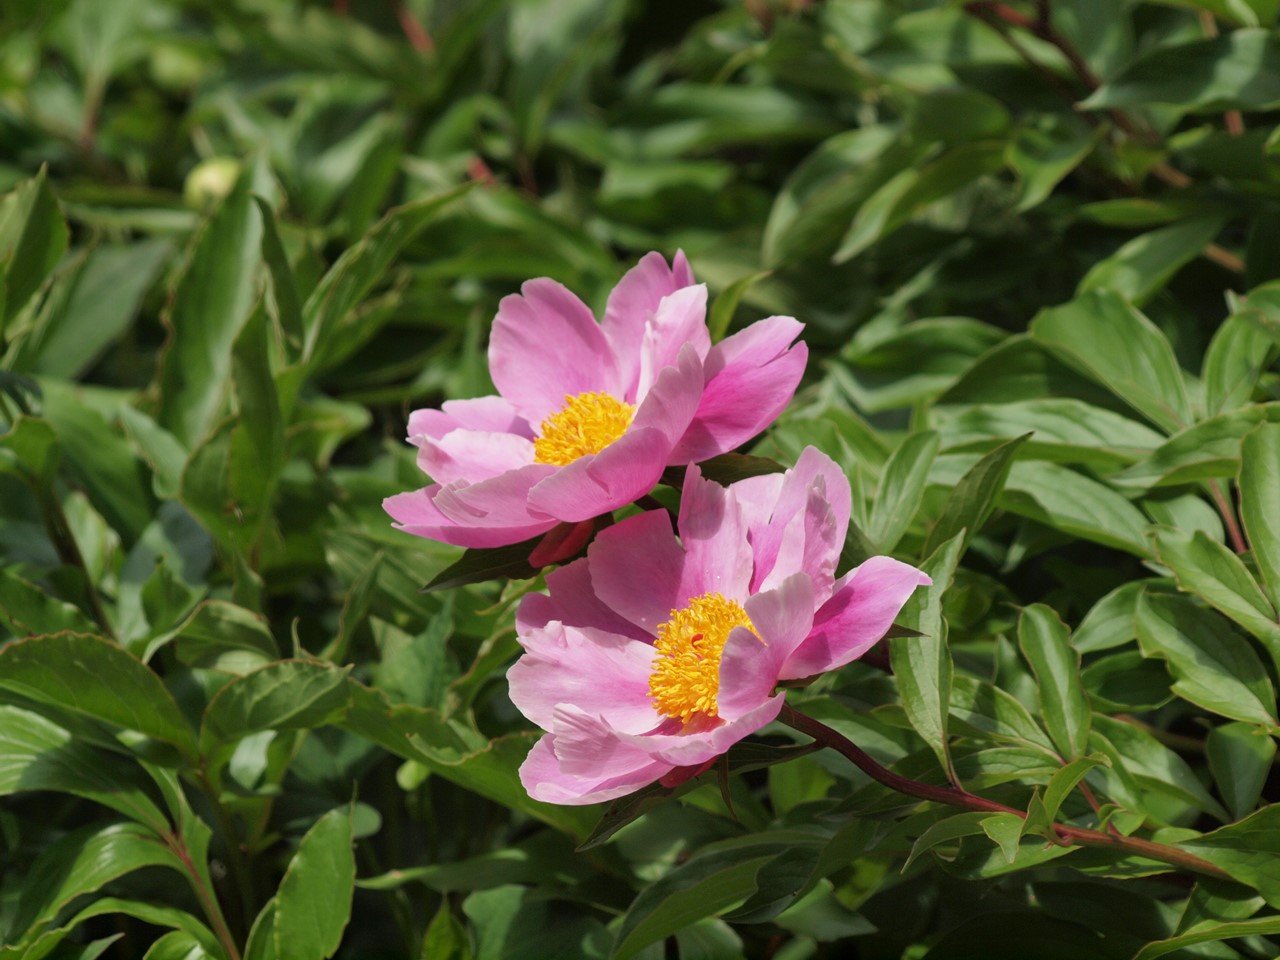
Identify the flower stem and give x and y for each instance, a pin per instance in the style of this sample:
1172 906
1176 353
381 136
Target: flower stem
956 797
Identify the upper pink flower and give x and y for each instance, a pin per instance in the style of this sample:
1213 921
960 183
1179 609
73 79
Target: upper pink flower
589 414
653 653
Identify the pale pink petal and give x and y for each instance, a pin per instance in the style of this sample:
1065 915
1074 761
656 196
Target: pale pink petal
702 743
861 610
751 377
601 673
588 744
636 568
546 345
419 512
633 301
544 780
571 600
714 536
471 455
631 466
679 322
750 665
491 414
591 486
780 538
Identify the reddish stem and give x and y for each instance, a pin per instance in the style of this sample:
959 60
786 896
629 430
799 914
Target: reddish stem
956 797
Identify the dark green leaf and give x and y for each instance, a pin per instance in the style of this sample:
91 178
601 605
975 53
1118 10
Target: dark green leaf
1260 501
1239 70
33 237
902 486
94 677
1144 265
1240 757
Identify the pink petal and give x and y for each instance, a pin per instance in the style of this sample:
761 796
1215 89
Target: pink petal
544 779
420 512
472 455
859 613
751 377
679 321
750 665
588 744
633 301
571 600
591 486
491 414
631 466
714 536
811 545
698 745
546 345
602 673
636 569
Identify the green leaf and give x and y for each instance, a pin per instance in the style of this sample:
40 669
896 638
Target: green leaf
81 862
974 496
1064 431
720 316
28 610
351 279
1042 156
37 754
1144 265
961 825
1235 358
33 237
220 634
901 489
480 564
922 665
1073 503
286 695
731 467
1210 570
1103 336
1210 449
1240 757
983 710
314 902
1151 764
1109 623
1212 933
1214 667
211 303
1046 644
894 204
94 677
1248 850
1064 781
1005 830
179 945
261 944
1260 502
91 305
1239 70
446 938
707 884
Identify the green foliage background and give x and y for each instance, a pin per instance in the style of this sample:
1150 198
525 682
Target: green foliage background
1036 247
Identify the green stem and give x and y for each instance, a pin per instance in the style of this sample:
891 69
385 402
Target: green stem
208 902
955 797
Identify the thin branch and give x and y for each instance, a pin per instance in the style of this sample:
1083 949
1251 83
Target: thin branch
1228 512
1066 835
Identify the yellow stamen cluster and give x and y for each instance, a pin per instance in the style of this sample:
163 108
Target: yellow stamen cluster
588 423
686 673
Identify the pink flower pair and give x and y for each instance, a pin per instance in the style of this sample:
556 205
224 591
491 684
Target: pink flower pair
589 415
654 652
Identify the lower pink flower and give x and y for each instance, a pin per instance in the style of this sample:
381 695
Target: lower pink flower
655 652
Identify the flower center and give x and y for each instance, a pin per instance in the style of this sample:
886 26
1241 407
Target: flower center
588 423
686 672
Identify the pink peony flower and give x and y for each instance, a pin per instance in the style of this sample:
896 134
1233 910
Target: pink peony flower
588 415
654 653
